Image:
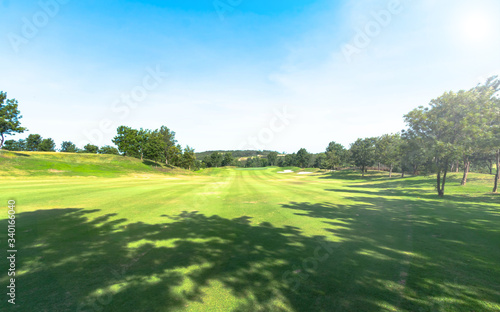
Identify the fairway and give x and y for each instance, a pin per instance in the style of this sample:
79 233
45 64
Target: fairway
253 240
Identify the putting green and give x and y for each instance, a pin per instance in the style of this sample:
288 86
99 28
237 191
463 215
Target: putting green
252 240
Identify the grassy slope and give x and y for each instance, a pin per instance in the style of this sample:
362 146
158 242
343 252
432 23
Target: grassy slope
229 239
44 164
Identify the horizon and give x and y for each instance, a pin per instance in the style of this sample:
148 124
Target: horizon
248 75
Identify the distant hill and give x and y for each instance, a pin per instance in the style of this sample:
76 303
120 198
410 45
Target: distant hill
236 153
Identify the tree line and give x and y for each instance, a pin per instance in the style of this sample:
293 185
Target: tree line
36 143
456 131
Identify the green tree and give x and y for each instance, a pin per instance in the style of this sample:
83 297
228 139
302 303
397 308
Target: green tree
68 147
12 145
228 159
9 118
127 141
47 145
153 148
303 158
387 149
413 155
320 161
215 160
336 155
363 153
188 158
272 157
175 154
440 128
108 150
33 142
91 149
289 160
168 143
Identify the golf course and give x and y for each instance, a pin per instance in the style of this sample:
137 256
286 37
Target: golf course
110 233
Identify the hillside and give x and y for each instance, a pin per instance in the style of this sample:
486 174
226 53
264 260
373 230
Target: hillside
69 164
235 153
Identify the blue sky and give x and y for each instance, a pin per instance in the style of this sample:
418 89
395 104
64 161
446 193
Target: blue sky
227 71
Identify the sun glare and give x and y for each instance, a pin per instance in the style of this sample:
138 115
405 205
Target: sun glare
477 27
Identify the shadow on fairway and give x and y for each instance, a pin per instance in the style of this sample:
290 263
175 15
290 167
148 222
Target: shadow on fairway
73 261
412 255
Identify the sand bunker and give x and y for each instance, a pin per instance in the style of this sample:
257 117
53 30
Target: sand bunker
304 173
286 171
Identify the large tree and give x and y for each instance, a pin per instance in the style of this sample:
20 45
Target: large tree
214 160
388 150
91 149
188 158
336 155
33 142
228 159
303 158
9 117
168 143
490 141
440 128
272 157
363 153
68 147
127 141
47 145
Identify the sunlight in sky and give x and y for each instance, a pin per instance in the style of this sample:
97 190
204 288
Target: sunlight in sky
478 27
216 74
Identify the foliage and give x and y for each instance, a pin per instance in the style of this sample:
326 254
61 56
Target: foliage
68 147
47 145
363 153
9 117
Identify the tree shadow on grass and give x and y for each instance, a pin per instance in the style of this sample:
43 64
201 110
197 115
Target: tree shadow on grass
412 188
71 260
441 256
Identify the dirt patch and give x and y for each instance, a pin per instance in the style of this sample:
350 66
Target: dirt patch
56 171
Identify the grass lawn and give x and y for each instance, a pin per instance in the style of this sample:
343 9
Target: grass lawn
112 234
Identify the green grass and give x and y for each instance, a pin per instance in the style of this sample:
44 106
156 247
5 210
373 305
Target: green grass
246 240
14 164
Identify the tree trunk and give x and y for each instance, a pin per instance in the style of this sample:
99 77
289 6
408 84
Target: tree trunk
452 166
444 181
439 183
490 166
457 168
415 170
495 187
402 173
466 171
378 166
390 172
363 171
